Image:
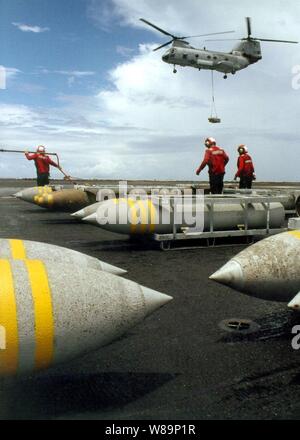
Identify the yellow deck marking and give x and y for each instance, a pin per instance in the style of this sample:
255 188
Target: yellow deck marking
44 322
8 320
18 250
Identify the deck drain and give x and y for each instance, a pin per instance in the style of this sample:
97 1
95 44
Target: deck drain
239 325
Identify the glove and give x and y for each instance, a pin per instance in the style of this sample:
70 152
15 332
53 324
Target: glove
197 172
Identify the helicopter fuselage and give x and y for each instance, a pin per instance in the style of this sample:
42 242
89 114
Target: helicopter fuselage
246 52
182 54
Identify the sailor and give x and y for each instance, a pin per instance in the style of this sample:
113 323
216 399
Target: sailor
245 168
42 163
216 159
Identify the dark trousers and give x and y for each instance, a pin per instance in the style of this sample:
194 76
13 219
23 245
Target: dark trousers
42 179
216 183
245 182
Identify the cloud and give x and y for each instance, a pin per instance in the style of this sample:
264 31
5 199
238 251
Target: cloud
102 13
27 28
76 73
72 75
29 88
11 72
150 123
7 75
124 51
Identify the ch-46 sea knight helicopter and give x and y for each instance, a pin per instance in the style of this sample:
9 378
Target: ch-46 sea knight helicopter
246 52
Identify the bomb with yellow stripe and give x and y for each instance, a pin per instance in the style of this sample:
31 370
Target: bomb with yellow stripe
33 194
163 214
52 313
33 250
130 216
58 198
269 269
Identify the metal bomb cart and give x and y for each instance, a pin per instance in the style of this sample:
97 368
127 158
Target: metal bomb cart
227 217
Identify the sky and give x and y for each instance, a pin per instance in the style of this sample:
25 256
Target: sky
82 79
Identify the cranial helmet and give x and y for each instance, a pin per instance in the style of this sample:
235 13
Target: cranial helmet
41 149
242 149
210 141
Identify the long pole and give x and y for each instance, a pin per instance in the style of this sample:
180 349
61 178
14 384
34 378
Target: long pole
2 150
67 177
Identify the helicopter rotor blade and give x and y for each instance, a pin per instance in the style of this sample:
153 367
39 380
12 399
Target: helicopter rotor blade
276 41
157 28
206 35
163 45
254 39
249 30
226 39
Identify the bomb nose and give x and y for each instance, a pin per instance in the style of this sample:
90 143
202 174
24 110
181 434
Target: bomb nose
154 299
230 274
295 303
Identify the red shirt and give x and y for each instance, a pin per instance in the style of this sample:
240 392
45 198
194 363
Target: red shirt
216 159
245 166
42 162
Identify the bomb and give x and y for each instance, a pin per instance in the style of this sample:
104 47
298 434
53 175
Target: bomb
52 313
24 249
61 199
156 215
269 269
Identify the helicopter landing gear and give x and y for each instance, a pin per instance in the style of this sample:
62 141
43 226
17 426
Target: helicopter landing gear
174 70
225 76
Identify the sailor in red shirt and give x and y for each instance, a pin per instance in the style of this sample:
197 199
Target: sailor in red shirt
216 159
42 163
245 168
